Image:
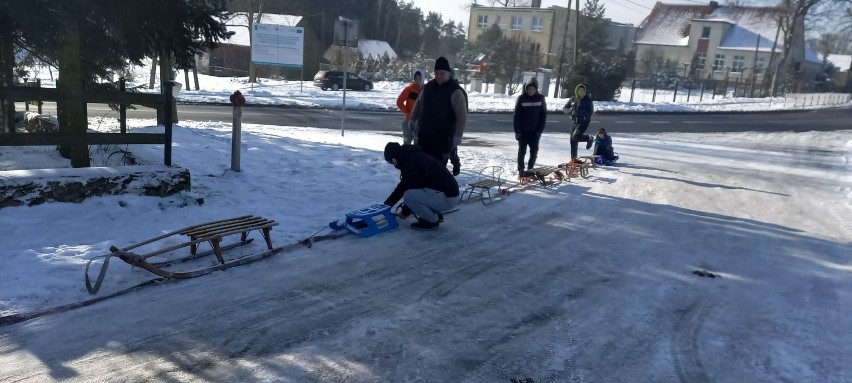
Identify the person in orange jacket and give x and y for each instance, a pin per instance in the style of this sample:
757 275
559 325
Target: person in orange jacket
405 102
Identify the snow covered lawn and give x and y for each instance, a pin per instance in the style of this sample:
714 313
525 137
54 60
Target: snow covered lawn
591 281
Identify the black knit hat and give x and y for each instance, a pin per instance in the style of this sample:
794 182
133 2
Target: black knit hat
391 150
442 64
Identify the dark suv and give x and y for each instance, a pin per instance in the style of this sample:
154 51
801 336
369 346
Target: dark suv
333 79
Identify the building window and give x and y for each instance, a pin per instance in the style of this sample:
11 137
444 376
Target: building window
517 21
701 60
705 33
535 47
760 65
719 63
537 24
739 64
482 21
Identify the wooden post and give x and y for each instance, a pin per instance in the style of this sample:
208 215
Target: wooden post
167 122
72 111
236 138
122 108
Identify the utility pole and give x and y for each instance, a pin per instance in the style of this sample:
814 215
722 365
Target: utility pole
576 30
754 65
562 50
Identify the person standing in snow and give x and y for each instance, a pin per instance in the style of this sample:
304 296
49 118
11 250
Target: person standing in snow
529 119
581 109
425 185
405 102
440 114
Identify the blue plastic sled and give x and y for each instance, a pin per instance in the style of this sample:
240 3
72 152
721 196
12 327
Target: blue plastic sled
367 222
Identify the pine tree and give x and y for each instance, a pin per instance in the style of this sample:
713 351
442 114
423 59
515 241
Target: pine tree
593 34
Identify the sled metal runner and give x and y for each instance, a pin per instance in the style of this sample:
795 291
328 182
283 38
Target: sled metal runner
210 232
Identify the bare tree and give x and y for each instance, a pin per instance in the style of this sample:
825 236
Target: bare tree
791 22
509 3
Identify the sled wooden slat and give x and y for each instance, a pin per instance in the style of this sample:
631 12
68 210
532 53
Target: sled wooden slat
219 224
209 231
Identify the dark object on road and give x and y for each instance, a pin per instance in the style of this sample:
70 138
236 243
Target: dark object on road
705 273
333 80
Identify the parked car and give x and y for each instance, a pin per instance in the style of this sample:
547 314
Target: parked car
333 79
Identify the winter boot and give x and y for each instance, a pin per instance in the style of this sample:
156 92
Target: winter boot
589 142
424 225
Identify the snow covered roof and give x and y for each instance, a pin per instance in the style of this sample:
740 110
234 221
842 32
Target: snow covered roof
841 61
668 24
376 49
241 32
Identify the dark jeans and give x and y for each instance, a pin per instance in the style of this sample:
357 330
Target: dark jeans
578 134
606 153
436 146
527 139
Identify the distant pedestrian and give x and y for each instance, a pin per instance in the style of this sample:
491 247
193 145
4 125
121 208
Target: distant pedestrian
440 114
426 186
529 121
406 101
581 109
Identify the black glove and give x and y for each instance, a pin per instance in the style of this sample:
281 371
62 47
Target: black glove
518 136
538 135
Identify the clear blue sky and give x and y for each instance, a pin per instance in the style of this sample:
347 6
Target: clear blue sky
623 11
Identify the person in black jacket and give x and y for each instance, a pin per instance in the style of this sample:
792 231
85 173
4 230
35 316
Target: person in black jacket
530 117
581 109
441 113
425 184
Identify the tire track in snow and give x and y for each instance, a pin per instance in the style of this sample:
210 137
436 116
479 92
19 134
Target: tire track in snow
685 344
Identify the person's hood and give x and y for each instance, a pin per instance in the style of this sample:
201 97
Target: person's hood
399 152
422 76
577 90
532 82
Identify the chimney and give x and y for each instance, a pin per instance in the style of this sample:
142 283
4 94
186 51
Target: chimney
535 4
714 5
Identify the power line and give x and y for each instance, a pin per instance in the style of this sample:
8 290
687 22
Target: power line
626 6
633 2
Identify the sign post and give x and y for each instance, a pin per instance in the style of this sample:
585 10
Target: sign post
345 35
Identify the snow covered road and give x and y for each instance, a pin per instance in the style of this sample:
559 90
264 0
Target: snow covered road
590 282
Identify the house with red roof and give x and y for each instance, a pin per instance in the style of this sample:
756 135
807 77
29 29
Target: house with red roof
719 42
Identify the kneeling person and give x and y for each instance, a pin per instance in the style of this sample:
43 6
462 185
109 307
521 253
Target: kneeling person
425 185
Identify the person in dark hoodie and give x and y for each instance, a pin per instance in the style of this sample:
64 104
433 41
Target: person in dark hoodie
581 109
425 185
529 119
406 101
440 114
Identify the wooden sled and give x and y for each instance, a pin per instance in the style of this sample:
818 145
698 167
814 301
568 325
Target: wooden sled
210 232
546 176
489 177
581 168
